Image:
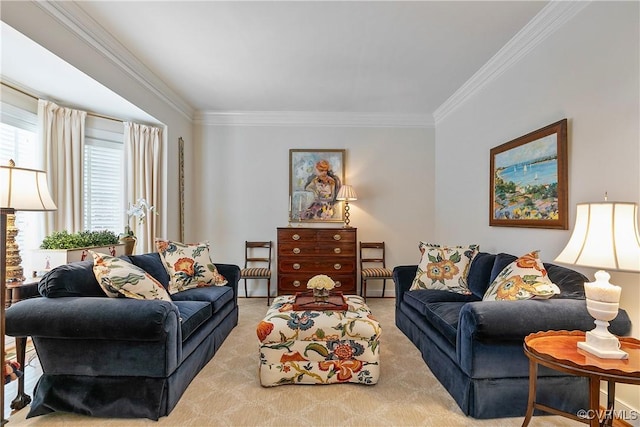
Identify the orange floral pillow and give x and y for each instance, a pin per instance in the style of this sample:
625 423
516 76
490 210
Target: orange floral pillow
189 265
444 268
524 278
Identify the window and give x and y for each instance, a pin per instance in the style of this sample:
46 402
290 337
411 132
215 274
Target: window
103 168
103 177
18 142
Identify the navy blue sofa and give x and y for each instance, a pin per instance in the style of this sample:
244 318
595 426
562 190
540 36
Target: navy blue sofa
120 357
475 348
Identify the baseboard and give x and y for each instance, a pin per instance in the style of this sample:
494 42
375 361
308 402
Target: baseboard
621 411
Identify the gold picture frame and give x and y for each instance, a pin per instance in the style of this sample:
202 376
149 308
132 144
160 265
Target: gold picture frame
315 176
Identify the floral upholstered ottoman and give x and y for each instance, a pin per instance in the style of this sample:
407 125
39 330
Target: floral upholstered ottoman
319 347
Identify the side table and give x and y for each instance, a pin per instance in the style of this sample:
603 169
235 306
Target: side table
559 351
15 295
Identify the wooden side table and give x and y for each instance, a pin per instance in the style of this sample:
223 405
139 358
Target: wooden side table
559 351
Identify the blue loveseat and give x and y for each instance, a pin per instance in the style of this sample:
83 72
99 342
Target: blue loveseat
474 347
120 357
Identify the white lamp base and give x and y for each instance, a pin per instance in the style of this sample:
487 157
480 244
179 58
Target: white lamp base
603 346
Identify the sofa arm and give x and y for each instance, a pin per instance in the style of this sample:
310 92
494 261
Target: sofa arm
93 318
403 276
230 272
514 320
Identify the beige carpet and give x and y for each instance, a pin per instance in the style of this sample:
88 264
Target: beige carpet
227 392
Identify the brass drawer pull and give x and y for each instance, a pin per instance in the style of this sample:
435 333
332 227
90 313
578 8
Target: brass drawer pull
296 266
296 237
296 250
337 250
337 237
296 283
338 284
337 266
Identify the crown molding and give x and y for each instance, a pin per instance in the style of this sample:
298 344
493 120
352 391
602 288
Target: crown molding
87 29
552 17
312 118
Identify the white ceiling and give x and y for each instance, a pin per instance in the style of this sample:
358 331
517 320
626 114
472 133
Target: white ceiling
388 57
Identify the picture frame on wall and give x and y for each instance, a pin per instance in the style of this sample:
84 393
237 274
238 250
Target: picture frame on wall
528 180
315 176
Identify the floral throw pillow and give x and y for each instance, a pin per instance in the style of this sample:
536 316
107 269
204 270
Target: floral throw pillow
189 265
444 267
524 278
118 277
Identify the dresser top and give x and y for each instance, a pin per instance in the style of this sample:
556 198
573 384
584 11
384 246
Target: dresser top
318 228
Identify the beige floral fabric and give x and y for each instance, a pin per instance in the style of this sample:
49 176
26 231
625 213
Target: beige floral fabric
319 347
118 277
444 267
189 265
525 278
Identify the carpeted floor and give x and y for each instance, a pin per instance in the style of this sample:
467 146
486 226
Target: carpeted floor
227 391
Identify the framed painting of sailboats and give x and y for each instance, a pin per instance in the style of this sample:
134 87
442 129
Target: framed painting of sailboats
528 183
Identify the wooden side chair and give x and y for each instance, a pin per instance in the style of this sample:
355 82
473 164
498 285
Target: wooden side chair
257 267
373 255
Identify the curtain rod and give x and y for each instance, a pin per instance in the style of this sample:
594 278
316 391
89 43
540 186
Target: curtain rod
89 113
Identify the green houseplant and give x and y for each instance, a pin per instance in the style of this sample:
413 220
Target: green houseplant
62 247
81 239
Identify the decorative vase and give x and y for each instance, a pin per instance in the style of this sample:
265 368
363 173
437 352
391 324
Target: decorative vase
129 244
321 295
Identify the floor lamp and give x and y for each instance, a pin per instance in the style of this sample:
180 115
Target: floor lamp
20 190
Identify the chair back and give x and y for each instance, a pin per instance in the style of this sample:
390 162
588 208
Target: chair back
257 253
372 253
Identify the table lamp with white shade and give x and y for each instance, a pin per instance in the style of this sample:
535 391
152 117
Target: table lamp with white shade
605 236
347 194
20 190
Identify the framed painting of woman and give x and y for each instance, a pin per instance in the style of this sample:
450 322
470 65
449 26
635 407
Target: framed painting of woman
315 176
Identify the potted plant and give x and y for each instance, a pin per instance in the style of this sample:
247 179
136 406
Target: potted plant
139 210
62 247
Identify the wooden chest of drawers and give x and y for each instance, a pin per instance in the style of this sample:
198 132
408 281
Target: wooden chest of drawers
305 252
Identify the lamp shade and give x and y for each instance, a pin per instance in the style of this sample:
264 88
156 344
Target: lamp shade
347 192
605 236
24 189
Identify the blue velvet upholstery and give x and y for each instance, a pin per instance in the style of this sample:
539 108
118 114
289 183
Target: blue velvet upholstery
474 347
120 357
152 264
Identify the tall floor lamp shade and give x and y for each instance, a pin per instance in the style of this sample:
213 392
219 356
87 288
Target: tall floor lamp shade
20 190
605 236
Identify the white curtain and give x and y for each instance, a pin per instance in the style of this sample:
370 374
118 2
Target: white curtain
61 133
143 148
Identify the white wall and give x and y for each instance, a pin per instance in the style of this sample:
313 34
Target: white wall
588 72
242 191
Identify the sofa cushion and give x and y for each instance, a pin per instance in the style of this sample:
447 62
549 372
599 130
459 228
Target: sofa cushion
444 267
480 273
152 264
118 277
75 279
570 282
189 265
192 315
501 261
443 315
217 296
524 278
